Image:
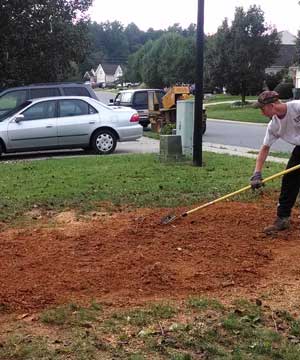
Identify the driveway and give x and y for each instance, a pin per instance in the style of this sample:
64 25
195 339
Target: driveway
141 146
105 96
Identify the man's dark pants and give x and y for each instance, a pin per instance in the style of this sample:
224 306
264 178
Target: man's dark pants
290 186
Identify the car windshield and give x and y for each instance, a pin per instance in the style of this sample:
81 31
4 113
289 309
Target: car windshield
126 97
14 110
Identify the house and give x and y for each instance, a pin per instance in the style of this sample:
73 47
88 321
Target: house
108 73
90 76
287 53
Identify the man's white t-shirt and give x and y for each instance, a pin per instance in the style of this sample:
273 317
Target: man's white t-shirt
287 128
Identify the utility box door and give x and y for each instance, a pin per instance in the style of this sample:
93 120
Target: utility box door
185 124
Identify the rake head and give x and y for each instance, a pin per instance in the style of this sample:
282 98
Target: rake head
168 219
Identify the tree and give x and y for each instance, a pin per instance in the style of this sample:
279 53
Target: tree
298 48
134 71
114 41
248 46
40 40
216 58
177 61
190 31
152 34
135 37
166 61
272 80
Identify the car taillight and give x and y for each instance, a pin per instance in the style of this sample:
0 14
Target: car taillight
135 118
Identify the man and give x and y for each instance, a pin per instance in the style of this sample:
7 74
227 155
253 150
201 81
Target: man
284 124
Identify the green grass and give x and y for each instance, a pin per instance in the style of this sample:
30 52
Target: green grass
112 91
137 180
228 112
283 155
71 314
227 97
204 303
25 347
241 330
146 316
151 134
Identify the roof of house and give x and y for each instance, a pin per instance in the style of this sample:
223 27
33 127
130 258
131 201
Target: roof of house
90 73
287 52
109 68
286 56
287 38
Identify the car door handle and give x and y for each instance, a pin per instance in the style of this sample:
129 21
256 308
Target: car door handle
92 122
49 126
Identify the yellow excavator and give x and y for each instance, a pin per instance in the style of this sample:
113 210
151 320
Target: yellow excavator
164 112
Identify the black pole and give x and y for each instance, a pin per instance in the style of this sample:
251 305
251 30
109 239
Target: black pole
198 114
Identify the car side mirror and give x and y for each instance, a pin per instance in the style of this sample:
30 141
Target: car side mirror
19 118
117 102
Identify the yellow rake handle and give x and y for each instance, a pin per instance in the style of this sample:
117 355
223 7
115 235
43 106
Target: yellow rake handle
243 189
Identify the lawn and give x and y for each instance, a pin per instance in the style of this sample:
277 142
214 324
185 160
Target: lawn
113 91
41 260
283 155
238 113
139 180
226 97
199 328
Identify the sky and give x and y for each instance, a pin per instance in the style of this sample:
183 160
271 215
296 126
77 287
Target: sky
159 14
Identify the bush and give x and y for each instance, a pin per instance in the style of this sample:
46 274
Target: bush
167 129
272 80
285 90
239 103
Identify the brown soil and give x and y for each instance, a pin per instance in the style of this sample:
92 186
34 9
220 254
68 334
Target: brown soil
128 257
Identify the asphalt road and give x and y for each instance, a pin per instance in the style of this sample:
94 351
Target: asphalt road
240 134
231 133
105 96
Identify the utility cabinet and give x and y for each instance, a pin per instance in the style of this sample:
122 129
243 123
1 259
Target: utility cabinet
185 124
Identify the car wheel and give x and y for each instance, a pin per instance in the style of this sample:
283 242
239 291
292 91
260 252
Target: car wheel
1 149
104 142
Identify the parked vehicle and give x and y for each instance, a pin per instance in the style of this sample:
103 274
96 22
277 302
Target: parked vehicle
138 100
12 97
67 122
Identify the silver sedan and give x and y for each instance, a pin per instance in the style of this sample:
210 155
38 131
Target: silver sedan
67 122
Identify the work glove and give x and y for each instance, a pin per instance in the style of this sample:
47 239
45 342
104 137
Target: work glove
256 180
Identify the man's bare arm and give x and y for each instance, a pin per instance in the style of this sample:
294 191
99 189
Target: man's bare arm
261 157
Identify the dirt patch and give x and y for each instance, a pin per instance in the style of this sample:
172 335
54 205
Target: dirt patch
129 257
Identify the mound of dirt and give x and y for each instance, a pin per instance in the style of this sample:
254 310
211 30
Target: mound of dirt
129 257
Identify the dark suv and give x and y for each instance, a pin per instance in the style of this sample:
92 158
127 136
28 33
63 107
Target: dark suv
12 97
138 100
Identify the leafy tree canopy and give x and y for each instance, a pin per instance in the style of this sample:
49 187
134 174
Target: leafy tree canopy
165 61
112 42
40 39
240 53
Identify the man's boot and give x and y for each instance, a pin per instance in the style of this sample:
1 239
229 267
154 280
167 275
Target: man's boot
279 225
